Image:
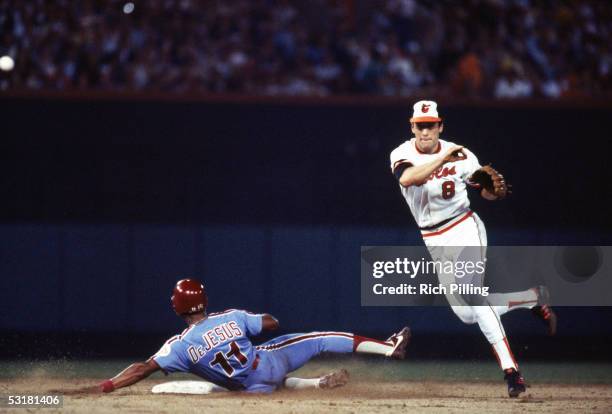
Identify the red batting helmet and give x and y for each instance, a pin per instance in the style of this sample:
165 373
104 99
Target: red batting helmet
189 297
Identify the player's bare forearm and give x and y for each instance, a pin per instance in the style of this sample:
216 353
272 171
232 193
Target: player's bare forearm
418 175
134 373
131 375
269 323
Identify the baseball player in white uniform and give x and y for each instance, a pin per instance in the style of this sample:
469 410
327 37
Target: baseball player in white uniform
434 176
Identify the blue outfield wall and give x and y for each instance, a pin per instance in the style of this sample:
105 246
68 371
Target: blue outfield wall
118 278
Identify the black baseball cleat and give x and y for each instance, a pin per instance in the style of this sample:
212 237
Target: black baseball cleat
516 382
334 379
543 310
400 341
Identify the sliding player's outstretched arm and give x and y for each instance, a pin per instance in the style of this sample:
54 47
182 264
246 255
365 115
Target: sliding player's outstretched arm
131 375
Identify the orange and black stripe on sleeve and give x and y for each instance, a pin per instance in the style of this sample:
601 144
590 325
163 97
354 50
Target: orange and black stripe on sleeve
399 167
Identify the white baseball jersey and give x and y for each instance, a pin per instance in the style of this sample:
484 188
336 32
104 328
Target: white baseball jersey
444 195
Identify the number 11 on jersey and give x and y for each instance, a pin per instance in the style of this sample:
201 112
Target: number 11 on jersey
222 360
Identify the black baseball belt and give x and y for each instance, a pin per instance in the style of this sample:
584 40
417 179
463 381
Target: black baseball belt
442 223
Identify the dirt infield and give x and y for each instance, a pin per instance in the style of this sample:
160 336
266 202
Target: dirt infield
388 388
379 397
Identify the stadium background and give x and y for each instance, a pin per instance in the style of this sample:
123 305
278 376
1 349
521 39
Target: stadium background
112 192
108 202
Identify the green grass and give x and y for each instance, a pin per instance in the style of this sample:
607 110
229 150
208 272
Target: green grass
382 370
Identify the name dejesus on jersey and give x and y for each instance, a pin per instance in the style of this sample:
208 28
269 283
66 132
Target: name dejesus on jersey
213 337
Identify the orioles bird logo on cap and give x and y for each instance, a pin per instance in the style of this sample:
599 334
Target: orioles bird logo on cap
425 108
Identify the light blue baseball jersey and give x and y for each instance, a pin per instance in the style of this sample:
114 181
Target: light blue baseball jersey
217 348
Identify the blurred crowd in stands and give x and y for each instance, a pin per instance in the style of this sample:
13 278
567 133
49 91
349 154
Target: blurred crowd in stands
472 48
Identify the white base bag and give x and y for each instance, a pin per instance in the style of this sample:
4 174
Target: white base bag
187 387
